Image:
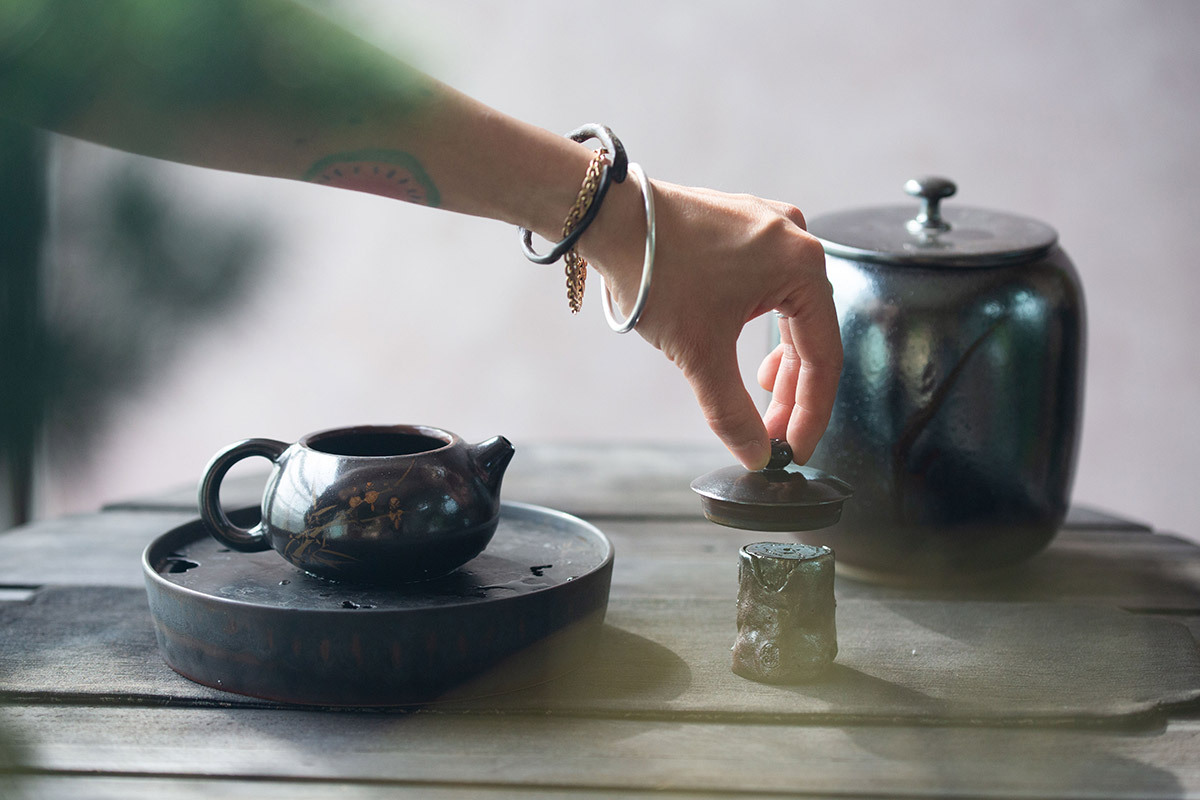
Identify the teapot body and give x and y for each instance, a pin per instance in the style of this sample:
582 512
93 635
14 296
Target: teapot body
957 417
382 504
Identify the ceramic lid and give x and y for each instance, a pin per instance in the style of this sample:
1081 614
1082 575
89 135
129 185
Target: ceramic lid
929 235
782 497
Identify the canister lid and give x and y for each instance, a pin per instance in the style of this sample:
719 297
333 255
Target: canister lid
782 497
929 235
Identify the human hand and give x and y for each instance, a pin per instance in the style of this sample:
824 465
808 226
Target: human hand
723 260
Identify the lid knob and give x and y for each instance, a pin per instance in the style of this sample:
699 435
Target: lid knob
781 454
932 190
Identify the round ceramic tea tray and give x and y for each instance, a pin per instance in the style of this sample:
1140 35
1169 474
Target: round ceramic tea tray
516 615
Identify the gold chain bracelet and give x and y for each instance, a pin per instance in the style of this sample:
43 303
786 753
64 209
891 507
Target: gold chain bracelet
576 265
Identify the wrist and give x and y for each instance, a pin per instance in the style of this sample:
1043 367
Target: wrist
615 242
608 224
549 171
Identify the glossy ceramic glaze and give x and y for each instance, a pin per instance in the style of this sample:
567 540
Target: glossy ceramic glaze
958 413
385 504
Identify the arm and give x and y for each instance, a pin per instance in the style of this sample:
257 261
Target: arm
270 88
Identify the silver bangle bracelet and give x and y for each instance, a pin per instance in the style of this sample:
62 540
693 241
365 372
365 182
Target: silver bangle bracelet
647 264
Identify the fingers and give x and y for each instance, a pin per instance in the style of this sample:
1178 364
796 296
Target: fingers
807 380
783 388
769 367
728 408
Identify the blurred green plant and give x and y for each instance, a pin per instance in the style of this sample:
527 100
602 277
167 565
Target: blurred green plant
22 221
87 321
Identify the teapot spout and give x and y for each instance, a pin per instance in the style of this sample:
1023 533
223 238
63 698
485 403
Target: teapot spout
491 458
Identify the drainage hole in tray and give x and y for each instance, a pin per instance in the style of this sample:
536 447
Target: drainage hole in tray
174 564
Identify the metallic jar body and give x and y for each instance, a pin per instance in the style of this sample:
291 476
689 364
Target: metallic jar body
958 414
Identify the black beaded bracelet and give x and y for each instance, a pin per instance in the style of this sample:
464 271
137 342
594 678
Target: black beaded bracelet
614 171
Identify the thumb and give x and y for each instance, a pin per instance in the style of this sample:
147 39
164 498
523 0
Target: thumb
728 408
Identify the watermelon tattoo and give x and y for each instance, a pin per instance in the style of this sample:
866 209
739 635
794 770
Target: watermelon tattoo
390 173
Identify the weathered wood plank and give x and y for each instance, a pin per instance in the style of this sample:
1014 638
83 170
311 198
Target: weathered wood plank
972 663
1127 569
609 754
673 558
104 548
1088 518
597 481
127 787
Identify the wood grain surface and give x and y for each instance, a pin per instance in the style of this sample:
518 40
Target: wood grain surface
1072 676
469 752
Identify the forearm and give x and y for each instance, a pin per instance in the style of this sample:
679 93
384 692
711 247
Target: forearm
270 88
266 87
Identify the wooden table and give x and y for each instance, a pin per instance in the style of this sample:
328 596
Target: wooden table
88 709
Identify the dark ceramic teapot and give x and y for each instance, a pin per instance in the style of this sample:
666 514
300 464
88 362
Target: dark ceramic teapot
384 504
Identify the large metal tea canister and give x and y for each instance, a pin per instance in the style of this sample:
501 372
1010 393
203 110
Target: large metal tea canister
958 414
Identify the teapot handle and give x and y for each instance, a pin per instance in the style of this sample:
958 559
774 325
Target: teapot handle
246 540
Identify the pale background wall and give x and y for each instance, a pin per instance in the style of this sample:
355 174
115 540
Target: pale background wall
1083 114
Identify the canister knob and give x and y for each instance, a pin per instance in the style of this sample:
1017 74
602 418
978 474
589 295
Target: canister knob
932 190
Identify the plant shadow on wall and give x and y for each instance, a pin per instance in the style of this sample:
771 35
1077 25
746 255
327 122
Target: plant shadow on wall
93 315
